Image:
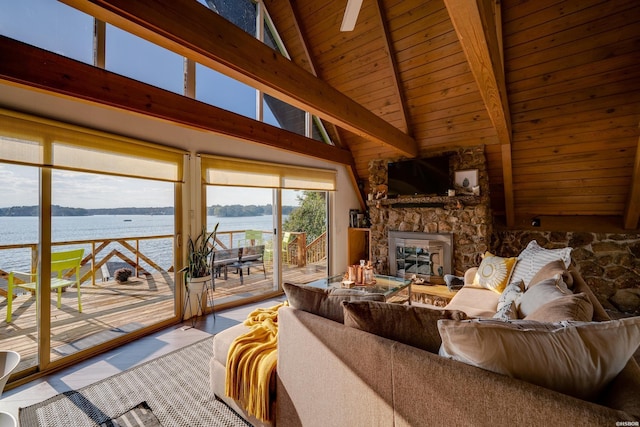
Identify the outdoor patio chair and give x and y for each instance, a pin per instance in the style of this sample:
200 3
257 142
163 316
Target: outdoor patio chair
62 263
251 256
252 238
223 259
286 239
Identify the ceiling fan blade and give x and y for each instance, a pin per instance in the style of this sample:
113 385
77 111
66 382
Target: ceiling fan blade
350 15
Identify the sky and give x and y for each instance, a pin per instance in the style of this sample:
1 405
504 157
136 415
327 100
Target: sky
19 187
69 32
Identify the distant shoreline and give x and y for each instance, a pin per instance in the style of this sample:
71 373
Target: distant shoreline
220 211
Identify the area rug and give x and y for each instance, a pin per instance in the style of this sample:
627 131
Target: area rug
174 386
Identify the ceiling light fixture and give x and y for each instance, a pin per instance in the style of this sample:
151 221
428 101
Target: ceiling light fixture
350 15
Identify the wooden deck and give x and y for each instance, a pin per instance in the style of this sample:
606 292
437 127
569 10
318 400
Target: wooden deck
111 309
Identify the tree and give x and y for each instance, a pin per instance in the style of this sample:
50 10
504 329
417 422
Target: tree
310 217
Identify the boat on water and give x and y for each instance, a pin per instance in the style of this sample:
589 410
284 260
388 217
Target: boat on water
127 220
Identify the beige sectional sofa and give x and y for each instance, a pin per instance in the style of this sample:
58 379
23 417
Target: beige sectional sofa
381 366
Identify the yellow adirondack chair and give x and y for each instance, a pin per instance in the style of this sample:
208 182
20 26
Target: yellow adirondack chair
252 238
61 263
268 251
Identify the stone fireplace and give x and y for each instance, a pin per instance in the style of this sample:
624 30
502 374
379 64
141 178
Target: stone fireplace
466 219
424 255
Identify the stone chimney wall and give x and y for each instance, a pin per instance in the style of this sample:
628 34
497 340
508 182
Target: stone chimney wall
608 262
468 217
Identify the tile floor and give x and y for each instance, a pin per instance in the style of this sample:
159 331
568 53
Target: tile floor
123 358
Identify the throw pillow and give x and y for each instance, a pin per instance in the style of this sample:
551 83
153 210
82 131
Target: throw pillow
494 272
511 294
534 257
324 302
542 293
509 301
411 325
575 358
550 270
576 307
507 312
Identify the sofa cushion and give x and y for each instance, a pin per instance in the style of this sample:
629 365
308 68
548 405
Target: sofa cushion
411 325
494 272
576 307
534 257
550 270
325 302
475 302
575 358
541 293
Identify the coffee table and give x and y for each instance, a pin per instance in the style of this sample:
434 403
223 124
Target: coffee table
385 285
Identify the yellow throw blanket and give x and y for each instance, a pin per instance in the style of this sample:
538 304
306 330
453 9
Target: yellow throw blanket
251 362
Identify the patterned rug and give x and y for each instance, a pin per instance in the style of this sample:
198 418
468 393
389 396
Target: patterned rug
174 386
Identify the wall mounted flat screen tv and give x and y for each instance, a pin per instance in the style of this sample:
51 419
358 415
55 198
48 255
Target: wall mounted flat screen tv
429 176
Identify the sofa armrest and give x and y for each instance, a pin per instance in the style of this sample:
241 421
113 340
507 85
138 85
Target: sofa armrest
331 374
469 275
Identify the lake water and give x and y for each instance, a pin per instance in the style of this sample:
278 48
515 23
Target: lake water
24 230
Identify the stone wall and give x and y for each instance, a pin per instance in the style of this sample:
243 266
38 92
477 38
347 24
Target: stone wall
608 262
467 217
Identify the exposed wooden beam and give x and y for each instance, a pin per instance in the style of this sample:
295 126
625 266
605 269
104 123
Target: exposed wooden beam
390 54
189 29
632 210
478 29
46 71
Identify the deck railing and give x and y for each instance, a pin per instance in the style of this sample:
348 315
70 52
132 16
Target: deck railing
104 255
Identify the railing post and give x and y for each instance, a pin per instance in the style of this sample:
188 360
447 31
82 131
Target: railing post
302 250
93 263
34 259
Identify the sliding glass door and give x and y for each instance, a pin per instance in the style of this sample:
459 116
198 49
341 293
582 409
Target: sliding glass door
87 247
274 213
245 262
19 237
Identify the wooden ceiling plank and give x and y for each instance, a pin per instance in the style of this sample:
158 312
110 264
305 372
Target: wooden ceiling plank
181 26
632 208
49 72
482 49
390 54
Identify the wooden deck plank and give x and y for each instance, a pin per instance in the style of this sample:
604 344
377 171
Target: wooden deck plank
109 305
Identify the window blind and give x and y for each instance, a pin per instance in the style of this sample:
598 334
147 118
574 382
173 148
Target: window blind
36 141
249 173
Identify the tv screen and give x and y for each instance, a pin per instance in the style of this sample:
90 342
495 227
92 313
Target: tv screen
413 177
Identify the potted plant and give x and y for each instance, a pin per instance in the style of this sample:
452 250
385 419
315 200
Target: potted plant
198 268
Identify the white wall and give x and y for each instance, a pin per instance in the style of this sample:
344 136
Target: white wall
193 140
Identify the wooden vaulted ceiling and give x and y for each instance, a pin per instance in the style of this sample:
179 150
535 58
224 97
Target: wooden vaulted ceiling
550 88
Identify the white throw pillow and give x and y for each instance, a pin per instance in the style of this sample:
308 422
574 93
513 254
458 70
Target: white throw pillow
509 301
576 358
534 257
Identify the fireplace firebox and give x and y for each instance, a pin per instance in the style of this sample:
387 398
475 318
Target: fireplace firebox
425 255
